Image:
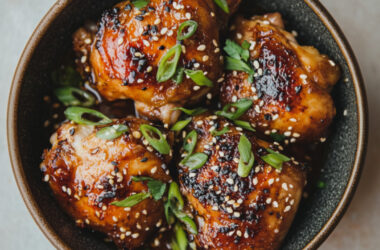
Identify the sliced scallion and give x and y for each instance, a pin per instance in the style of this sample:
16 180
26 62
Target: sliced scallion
196 161
131 200
77 115
71 96
112 132
180 242
247 159
175 196
168 64
198 77
245 125
140 3
223 5
181 125
186 29
275 159
220 132
160 144
178 76
192 112
241 107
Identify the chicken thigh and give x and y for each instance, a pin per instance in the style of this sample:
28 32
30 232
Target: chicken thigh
87 174
289 84
237 209
137 49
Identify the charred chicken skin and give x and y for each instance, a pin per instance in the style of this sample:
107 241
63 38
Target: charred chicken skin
87 174
234 212
290 85
123 58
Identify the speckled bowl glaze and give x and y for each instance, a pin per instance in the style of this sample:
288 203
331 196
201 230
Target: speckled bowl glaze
317 216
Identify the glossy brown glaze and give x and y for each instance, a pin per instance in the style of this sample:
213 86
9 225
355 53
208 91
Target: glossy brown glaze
291 85
87 173
130 44
233 212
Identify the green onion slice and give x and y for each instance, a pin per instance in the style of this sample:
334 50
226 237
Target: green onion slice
170 218
190 224
247 159
221 132
223 5
180 239
241 107
71 96
178 76
190 142
191 27
245 125
156 188
140 3
174 195
160 144
168 64
238 65
131 200
199 77
196 161
275 159
192 112
181 125
112 132
76 114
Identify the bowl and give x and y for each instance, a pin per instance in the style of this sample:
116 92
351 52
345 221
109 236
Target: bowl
27 137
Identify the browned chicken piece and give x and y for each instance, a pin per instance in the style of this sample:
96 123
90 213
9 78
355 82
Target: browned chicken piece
87 174
234 212
291 83
125 54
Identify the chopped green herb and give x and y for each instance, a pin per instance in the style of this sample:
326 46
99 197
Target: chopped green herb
160 144
235 51
221 132
156 188
237 58
223 5
196 161
77 115
180 242
192 112
247 159
178 76
241 107
275 159
189 144
112 132
131 200
140 3
245 125
181 125
168 64
199 77
71 96
191 27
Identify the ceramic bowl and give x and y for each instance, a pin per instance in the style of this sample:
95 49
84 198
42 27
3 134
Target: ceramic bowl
27 137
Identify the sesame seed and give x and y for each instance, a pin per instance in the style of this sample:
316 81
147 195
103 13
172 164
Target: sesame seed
157 21
212 14
288 133
287 208
229 210
322 139
188 15
135 235
239 36
170 33
87 41
201 47
83 59
256 64
284 186
146 43
164 30
153 170
345 112
270 182
236 214
269 200
209 96
205 58
296 135
332 63
275 204
120 41
255 181
136 134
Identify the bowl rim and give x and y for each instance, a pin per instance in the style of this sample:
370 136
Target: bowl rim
318 9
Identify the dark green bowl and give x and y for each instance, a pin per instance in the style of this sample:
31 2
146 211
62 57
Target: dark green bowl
318 215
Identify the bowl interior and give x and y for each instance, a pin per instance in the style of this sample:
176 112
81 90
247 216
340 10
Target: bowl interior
32 111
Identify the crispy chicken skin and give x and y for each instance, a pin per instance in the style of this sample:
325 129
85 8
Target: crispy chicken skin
87 173
233 212
129 44
290 89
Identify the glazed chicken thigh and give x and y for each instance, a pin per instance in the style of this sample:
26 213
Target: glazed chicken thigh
126 56
290 84
87 174
232 210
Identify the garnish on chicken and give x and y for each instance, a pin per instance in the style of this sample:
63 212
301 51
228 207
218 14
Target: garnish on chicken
289 84
102 176
242 191
161 54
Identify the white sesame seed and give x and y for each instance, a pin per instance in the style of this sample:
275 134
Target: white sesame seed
87 41
284 186
296 135
332 63
229 210
209 96
201 47
205 58
287 208
188 15
153 170
345 112
255 181
164 30
253 45
270 182
288 133
83 59
157 21
256 64
212 14
266 22
239 233
170 32
239 36
275 204
135 235
234 98
322 139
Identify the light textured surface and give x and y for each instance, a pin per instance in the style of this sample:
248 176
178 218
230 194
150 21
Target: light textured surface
358 19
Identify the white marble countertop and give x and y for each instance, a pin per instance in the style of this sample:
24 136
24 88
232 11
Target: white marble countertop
359 19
